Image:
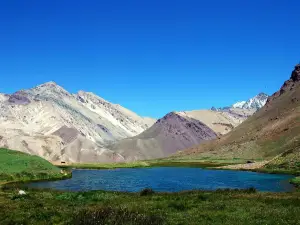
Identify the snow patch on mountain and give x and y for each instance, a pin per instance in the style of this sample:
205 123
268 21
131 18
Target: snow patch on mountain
239 104
256 102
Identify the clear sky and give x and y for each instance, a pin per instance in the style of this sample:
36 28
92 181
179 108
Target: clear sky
151 56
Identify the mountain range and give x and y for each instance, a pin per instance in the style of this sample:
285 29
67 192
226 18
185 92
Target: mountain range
50 122
272 133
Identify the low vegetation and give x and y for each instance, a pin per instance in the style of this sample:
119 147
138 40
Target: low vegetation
296 181
106 165
196 207
153 163
18 166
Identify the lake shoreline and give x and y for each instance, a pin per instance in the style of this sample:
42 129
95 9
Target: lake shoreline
152 164
170 179
215 165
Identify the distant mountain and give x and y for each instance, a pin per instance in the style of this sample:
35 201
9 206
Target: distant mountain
256 102
273 132
177 130
50 122
239 104
227 118
174 132
222 121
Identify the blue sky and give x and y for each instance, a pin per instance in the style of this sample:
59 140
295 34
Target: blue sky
154 56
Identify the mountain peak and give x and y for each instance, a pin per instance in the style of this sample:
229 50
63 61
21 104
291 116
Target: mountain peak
287 85
262 94
168 116
49 84
256 102
296 73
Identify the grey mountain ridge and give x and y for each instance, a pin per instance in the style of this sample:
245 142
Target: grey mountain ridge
50 122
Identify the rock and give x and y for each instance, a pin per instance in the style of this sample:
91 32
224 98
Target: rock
296 73
21 192
18 98
288 85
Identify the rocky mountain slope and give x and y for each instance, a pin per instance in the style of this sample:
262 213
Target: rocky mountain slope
180 130
256 102
223 120
52 123
172 133
272 131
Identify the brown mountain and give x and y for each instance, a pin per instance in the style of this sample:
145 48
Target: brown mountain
272 131
173 132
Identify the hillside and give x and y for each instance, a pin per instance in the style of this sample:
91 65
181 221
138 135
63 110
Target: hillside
222 121
179 130
273 130
225 119
16 165
172 133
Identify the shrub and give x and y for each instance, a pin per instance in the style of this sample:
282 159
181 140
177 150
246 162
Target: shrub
146 192
202 197
251 190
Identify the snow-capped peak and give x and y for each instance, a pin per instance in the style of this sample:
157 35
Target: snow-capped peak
239 104
256 102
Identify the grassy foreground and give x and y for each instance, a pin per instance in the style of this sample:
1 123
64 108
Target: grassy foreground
197 207
18 166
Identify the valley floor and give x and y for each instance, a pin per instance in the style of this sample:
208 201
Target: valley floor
101 207
152 163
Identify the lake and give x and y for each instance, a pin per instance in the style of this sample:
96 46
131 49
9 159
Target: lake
168 179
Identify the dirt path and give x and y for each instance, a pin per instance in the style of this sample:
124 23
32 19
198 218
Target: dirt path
247 166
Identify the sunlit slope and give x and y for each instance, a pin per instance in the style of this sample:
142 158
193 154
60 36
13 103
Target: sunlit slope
16 165
273 130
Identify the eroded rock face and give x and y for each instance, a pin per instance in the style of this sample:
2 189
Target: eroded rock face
288 85
296 73
19 98
66 134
